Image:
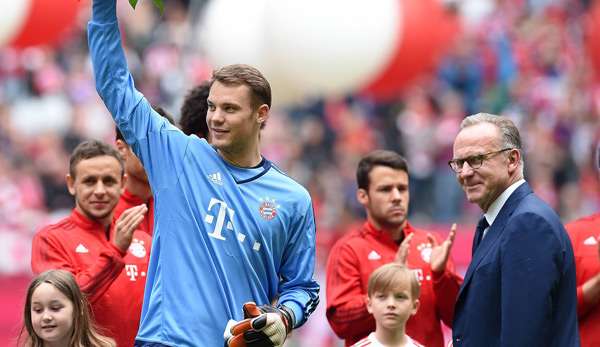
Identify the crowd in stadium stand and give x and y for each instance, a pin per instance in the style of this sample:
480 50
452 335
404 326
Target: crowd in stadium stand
526 60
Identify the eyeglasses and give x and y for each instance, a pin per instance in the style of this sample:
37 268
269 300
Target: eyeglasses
474 161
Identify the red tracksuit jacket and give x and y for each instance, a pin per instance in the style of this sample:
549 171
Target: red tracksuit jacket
584 234
113 281
355 256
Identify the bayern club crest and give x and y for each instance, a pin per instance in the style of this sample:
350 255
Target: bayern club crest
137 248
425 250
268 208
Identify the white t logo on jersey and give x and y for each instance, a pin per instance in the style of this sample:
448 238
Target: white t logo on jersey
419 274
132 271
223 213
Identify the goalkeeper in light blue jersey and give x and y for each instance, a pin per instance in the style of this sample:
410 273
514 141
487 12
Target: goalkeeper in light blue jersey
230 228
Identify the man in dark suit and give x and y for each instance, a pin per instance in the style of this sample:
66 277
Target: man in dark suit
519 289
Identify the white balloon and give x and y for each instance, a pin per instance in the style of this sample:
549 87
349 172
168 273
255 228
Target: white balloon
13 17
475 11
331 47
233 32
304 48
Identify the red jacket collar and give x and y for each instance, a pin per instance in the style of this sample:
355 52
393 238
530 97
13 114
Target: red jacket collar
385 235
90 225
84 222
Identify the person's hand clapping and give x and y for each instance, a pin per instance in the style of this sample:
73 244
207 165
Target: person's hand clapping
402 253
126 225
441 252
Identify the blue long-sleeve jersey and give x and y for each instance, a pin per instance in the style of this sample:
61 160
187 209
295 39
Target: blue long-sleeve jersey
223 235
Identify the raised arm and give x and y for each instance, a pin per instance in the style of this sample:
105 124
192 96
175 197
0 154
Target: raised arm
154 140
446 283
114 83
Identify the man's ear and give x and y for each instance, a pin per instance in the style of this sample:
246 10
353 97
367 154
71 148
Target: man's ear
70 184
514 160
263 114
362 196
122 147
123 182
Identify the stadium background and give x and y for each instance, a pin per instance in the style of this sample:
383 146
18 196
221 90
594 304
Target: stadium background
526 59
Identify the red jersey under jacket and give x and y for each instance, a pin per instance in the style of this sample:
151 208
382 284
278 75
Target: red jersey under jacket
584 234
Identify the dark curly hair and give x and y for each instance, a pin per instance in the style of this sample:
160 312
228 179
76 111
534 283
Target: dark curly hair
193 111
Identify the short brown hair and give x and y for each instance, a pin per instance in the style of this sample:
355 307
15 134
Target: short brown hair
92 149
240 74
379 157
389 276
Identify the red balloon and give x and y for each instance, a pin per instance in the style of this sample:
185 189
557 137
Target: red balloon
592 39
47 23
427 30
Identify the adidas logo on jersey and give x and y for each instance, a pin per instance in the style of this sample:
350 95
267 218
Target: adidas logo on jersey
373 256
590 241
216 178
81 249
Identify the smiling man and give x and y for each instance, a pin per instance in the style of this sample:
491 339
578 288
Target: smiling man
229 226
109 260
519 289
382 178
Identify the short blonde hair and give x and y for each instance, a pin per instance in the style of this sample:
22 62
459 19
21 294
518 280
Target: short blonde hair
389 276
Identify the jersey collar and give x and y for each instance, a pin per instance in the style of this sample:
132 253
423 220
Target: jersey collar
84 222
385 235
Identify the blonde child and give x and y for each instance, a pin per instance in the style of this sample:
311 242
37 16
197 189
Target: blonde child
56 314
393 297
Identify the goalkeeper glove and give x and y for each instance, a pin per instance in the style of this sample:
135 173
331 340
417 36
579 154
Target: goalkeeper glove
263 326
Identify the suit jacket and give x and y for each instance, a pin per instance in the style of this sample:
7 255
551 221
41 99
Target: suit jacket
519 289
